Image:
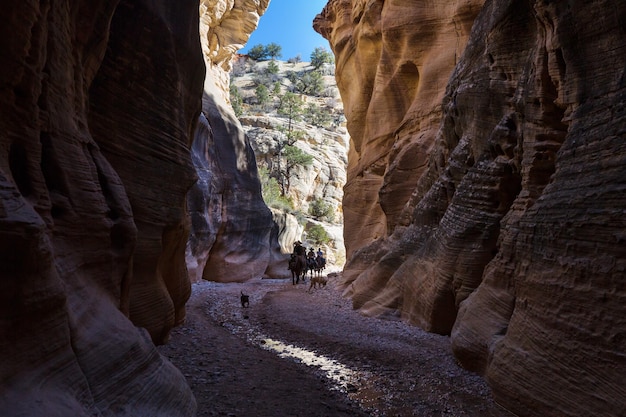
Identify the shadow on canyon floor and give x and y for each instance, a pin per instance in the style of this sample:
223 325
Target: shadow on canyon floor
295 353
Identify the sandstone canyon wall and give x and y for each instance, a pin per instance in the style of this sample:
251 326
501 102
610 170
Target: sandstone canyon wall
98 103
232 236
393 60
499 205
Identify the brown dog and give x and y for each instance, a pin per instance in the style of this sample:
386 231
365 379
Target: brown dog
318 282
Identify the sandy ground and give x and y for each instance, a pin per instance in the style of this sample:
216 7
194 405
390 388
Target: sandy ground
298 353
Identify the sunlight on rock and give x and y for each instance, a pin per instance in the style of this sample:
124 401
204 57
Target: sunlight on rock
357 384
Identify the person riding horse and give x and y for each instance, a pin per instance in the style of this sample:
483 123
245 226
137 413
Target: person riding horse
297 263
310 260
321 261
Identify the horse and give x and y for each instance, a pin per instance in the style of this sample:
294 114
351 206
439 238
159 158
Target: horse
297 265
320 265
316 264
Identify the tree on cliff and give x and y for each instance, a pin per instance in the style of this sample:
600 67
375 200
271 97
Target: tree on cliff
294 157
320 210
262 95
288 156
321 56
271 191
310 83
318 116
262 52
290 106
274 50
257 52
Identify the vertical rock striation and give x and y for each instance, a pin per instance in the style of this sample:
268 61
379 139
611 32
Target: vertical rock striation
157 63
511 235
392 75
231 225
98 102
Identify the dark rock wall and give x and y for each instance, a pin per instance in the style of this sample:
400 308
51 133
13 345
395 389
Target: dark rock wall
98 102
144 106
230 240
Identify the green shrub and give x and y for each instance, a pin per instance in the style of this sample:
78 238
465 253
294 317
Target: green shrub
321 56
318 235
262 95
310 83
271 192
317 116
321 210
272 68
236 100
257 52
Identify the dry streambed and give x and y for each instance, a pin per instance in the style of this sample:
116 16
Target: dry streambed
351 364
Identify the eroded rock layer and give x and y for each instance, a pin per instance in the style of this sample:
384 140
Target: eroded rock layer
512 238
392 75
147 139
231 225
98 102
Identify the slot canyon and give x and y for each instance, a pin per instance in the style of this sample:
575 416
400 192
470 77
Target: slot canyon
484 202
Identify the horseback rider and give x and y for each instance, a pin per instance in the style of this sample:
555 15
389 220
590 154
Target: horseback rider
297 263
298 249
321 261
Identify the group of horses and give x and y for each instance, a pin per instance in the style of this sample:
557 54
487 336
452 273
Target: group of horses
300 264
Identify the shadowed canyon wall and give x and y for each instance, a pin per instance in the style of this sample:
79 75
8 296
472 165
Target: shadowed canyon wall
232 229
99 101
493 195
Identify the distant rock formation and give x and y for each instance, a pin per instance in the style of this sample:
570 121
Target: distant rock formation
99 101
323 180
495 212
231 225
325 139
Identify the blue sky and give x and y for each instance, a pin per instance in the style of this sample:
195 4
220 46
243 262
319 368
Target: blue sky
289 23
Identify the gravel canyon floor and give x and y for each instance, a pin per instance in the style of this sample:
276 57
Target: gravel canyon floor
298 353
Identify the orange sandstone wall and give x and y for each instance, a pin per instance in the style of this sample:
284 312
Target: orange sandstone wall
393 62
510 236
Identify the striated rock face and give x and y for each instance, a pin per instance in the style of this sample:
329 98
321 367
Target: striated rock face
231 225
547 324
392 75
98 103
513 237
147 141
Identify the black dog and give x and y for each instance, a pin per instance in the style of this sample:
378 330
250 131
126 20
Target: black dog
245 300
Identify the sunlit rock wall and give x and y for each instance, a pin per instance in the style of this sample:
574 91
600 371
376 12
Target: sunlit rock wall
231 234
392 75
322 180
512 239
98 102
